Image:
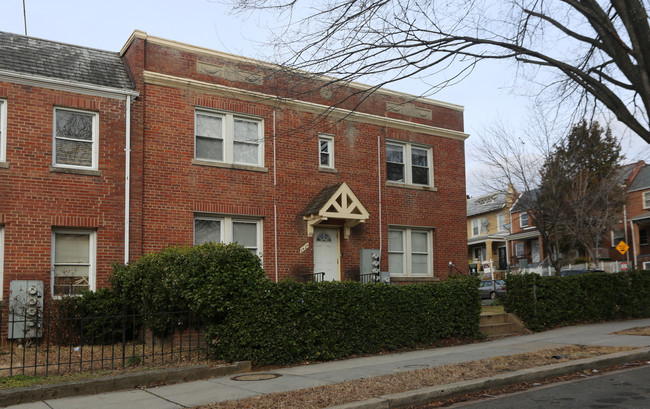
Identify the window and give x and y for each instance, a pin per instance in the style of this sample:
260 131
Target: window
617 236
409 252
228 138
73 261
479 253
643 237
75 139
646 200
3 130
409 164
501 222
228 229
479 226
326 151
523 219
519 250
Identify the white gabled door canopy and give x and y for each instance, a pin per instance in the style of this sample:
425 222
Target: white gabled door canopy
335 204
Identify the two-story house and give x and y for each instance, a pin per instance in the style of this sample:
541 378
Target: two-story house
107 156
488 224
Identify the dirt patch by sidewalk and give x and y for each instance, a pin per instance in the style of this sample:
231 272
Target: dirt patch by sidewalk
635 331
352 391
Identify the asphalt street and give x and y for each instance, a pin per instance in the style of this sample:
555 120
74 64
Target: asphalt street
629 389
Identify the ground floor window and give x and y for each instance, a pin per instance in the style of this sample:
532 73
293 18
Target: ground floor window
73 261
2 260
229 229
409 252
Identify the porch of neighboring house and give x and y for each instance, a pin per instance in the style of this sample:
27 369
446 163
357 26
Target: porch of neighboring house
640 246
482 250
524 251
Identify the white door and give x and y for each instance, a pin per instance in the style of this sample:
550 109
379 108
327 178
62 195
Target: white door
535 250
326 253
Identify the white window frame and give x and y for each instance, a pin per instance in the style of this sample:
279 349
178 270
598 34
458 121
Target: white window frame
615 239
92 257
519 250
407 164
3 130
329 141
646 265
501 222
94 141
521 219
407 252
226 223
228 136
646 200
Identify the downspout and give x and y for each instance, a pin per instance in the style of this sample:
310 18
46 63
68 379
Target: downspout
633 243
627 253
127 181
275 205
379 192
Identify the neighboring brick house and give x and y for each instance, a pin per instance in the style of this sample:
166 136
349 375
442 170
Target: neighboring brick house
524 243
192 145
63 133
488 224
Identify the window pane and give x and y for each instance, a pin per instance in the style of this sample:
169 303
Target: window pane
420 175
246 131
395 153
210 149
74 125
395 172
396 263
395 241
210 126
71 248
73 152
245 153
206 231
324 159
419 157
324 146
245 234
420 264
419 242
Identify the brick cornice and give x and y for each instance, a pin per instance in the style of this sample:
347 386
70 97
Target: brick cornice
166 80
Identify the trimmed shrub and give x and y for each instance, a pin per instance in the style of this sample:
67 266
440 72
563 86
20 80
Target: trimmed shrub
547 302
97 317
292 322
208 280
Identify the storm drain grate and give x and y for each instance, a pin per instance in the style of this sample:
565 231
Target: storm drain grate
256 377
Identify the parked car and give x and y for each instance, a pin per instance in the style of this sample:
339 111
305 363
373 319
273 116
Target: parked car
578 271
488 287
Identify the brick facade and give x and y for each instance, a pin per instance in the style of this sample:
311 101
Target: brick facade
169 186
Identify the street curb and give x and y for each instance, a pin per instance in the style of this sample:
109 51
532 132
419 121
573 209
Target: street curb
117 382
421 396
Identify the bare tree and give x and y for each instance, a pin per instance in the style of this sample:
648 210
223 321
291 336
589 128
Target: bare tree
600 50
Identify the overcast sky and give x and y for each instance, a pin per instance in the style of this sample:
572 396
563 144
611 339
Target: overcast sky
486 95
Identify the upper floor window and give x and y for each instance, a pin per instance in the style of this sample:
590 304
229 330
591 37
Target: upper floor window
519 250
501 222
75 138
409 252
326 151
228 229
228 138
409 164
646 200
3 130
523 220
73 261
479 226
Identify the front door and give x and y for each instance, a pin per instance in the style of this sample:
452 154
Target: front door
535 251
326 253
502 258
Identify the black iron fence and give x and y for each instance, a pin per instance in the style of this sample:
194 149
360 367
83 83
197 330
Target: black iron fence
55 344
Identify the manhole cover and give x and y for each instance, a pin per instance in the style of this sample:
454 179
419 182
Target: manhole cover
256 377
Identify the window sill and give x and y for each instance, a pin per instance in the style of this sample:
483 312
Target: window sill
72 171
414 187
200 162
414 279
327 170
4 165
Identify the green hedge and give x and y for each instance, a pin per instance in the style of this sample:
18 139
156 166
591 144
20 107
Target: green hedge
293 322
547 302
207 280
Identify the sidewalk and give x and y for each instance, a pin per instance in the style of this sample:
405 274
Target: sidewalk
223 388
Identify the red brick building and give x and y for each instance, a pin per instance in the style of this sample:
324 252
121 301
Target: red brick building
193 145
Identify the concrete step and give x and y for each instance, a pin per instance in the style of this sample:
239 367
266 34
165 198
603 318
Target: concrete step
494 325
